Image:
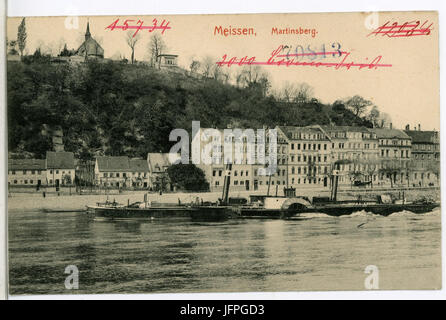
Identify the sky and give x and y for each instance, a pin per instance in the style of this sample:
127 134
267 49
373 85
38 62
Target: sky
408 90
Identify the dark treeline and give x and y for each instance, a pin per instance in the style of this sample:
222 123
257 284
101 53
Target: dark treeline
112 108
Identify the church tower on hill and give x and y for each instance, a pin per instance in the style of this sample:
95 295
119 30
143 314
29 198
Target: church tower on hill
90 48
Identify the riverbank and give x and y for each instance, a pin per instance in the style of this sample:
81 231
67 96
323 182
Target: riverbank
75 202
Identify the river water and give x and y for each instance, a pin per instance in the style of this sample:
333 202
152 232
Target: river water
315 252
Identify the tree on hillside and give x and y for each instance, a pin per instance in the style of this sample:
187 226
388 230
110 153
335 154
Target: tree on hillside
373 116
207 66
299 93
358 105
304 93
156 47
194 66
131 42
378 119
253 77
11 47
384 120
21 37
188 177
288 92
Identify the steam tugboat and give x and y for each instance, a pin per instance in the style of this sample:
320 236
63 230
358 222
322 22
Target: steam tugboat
383 205
290 205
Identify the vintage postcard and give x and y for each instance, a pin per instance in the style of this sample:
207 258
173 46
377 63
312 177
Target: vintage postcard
223 153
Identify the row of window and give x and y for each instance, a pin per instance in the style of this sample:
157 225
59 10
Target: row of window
309 170
425 156
120 184
426 147
23 181
124 174
307 136
353 135
396 153
394 142
304 158
354 145
236 173
26 181
35 172
316 180
313 146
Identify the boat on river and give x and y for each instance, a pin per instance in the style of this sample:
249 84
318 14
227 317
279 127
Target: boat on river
261 206
144 210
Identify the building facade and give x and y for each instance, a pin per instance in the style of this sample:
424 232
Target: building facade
158 163
167 61
121 172
245 173
357 147
307 156
394 155
425 162
27 172
61 168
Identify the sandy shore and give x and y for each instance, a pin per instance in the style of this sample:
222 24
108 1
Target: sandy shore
52 202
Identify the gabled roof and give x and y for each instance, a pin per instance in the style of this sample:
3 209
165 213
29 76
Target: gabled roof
121 163
26 164
423 136
138 165
290 131
390 133
345 129
109 163
60 160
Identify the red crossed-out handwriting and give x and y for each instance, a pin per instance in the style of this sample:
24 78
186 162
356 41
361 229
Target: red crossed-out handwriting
407 29
139 25
278 59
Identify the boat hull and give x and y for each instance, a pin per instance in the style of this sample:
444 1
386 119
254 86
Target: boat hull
381 209
216 213
195 213
142 213
262 213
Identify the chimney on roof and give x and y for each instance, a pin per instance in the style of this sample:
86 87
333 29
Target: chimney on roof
390 126
419 127
407 127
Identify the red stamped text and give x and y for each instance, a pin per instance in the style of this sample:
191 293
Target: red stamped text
138 25
407 29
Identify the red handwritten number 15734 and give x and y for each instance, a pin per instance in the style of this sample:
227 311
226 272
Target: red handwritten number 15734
407 29
129 24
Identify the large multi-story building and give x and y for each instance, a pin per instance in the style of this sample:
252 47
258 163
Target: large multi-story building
307 156
358 147
274 180
242 169
425 162
394 156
